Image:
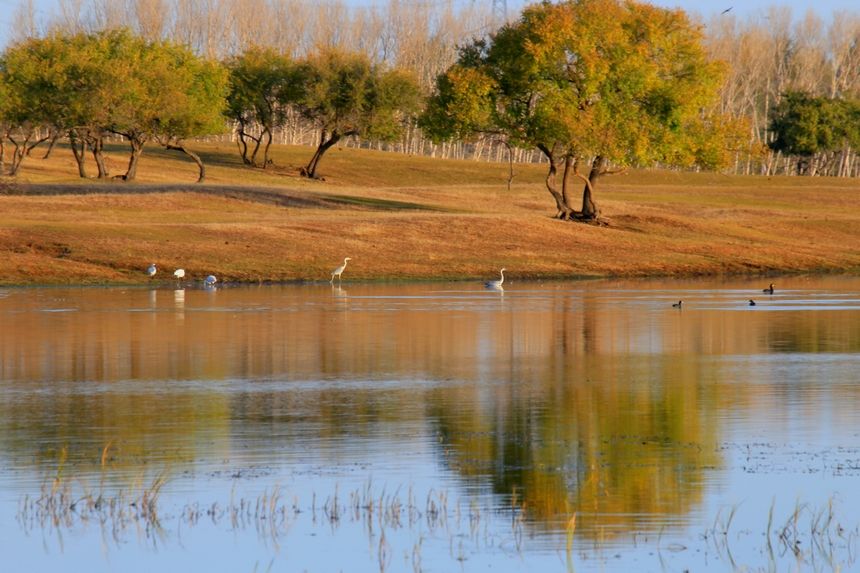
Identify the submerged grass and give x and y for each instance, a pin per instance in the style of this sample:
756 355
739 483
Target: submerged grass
63 507
811 538
407 218
398 523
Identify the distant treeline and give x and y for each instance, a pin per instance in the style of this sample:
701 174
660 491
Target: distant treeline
816 63
794 81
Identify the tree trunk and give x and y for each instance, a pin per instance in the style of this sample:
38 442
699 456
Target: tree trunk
78 153
252 161
52 145
325 144
179 146
137 142
589 209
267 132
510 164
563 212
37 142
565 181
18 153
242 142
97 144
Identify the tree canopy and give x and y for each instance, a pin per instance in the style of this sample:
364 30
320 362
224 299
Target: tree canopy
814 127
262 87
91 84
343 94
610 81
162 92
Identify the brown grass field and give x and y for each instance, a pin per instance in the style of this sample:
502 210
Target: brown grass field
405 218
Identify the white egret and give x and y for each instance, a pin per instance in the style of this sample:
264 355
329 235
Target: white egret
179 273
339 271
210 280
151 270
678 305
498 283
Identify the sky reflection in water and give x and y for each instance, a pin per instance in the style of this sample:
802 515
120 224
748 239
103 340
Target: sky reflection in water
458 427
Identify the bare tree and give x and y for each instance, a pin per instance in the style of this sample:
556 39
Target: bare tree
151 18
843 46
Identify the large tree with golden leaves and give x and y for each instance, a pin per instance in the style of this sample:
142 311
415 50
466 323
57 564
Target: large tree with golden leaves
605 81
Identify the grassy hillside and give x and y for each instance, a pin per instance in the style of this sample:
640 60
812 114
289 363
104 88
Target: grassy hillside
402 217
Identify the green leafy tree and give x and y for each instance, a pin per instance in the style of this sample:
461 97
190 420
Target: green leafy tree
601 80
90 85
191 103
342 94
5 109
163 92
262 86
23 103
57 81
814 128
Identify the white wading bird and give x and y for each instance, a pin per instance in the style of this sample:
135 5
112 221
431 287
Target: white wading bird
339 271
498 283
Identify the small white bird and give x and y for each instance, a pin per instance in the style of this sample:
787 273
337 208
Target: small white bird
151 270
498 283
210 280
179 273
339 271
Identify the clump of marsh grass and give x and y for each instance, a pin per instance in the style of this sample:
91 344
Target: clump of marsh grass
816 536
61 506
813 538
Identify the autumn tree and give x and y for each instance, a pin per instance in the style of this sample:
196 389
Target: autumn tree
342 94
262 87
601 80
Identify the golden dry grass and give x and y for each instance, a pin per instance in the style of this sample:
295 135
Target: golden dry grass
407 218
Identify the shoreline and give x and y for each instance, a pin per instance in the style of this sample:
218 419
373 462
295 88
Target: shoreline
408 219
198 284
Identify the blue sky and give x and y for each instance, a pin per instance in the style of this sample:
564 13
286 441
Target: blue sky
823 8
740 8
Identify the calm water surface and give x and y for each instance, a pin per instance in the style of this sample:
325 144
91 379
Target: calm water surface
583 426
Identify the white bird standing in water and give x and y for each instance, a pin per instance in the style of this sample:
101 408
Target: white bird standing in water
210 280
339 271
151 270
179 274
498 283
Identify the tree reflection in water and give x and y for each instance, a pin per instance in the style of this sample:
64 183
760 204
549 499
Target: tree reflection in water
591 399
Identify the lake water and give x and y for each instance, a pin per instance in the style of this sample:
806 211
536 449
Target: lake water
552 426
